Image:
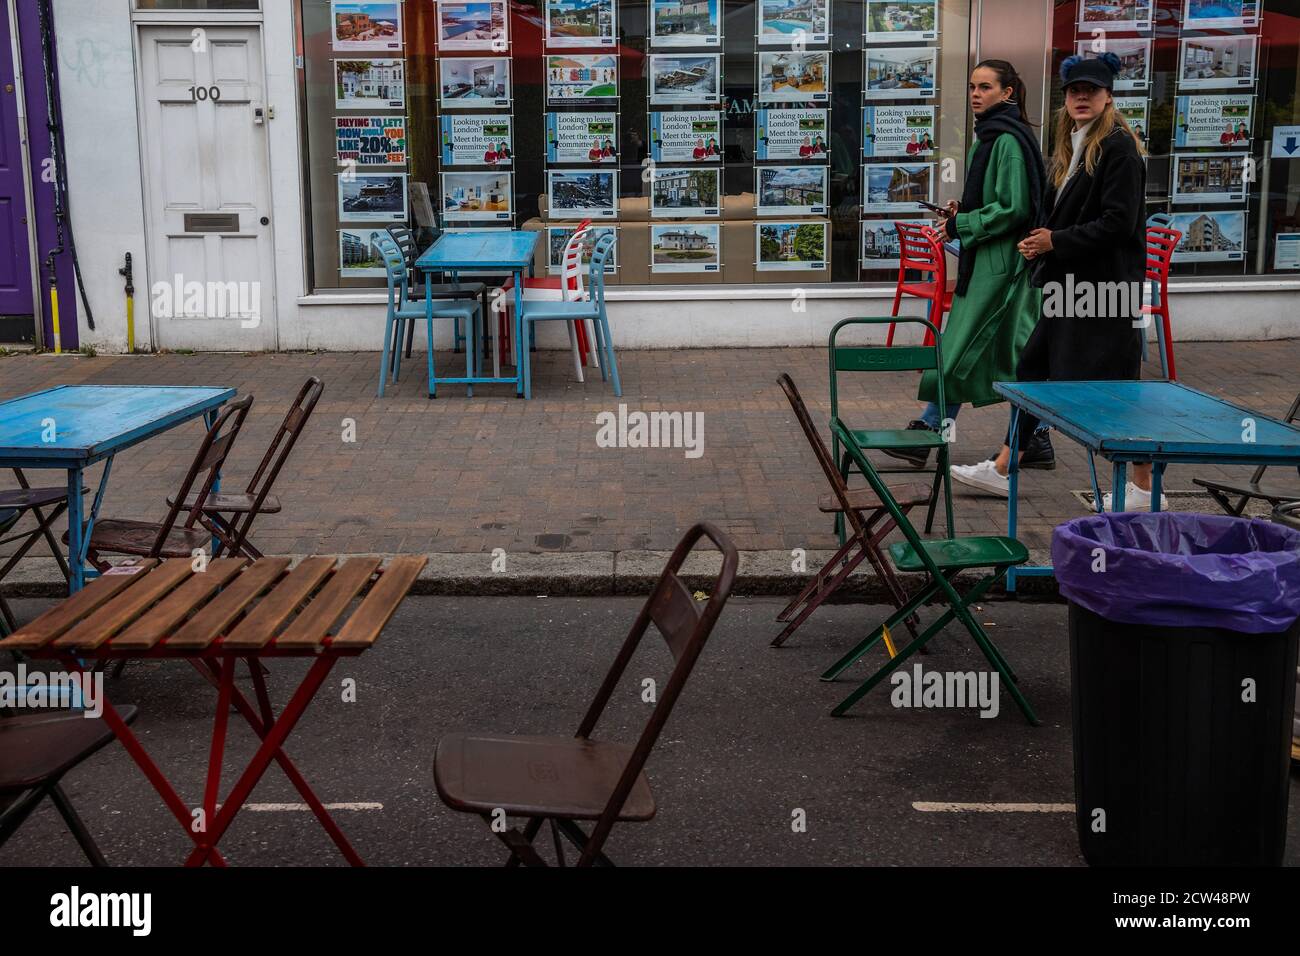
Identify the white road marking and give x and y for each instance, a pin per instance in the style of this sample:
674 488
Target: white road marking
993 807
280 807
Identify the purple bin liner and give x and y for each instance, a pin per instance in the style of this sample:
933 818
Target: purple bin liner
1178 569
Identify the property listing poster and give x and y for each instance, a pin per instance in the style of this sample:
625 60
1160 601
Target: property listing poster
371 140
689 136
582 138
1134 109
897 131
791 134
1218 120
477 139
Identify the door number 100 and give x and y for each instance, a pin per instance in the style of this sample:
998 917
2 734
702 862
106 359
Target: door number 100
205 93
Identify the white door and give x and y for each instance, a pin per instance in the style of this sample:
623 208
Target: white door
208 191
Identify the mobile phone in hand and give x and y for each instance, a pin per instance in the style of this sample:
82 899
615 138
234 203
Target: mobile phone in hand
941 210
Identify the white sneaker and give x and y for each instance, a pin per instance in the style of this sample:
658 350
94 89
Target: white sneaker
1135 499
983 476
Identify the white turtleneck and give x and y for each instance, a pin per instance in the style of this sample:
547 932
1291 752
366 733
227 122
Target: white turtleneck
1076 143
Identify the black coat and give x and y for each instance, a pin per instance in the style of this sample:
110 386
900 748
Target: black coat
1098 230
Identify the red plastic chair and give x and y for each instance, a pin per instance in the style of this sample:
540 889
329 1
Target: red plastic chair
570 279
920 249
1161 243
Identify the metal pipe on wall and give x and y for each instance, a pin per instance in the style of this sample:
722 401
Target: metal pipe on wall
29 197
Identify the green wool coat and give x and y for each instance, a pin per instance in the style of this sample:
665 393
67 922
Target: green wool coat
987 327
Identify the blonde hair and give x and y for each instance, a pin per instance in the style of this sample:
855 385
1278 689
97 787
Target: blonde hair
1102 126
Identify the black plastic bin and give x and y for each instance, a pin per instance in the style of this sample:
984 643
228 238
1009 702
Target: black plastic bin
1183 639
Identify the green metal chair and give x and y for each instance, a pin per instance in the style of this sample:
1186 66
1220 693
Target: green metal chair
899 358
942 559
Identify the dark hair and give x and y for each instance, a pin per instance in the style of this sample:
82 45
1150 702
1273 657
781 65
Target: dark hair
1009 78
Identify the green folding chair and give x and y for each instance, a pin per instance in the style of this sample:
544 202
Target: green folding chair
942 559
899 358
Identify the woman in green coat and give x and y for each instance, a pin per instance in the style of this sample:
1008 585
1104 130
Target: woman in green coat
994 306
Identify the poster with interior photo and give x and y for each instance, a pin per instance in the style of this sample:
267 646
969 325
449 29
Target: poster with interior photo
582 138
896 187
686 247
582 80
685 23
1114 16
1210 236
579 23
557 237
477 139
897 131
1220 14
1134 58
478 196
362 26
1208 178
790 190
786 134
685 191
1216 63
578 194
370 140
473 25
359 256
794 77
895 73
370 84
473 82
793 22
686 136
685 78
372 197
901 21
1135 110
1223 120
880 242
782 246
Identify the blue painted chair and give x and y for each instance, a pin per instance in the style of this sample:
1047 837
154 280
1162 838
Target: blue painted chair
401 311
593 308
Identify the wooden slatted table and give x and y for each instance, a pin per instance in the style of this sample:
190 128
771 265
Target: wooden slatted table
230 611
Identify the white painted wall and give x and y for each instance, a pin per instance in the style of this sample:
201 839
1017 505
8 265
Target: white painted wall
97 82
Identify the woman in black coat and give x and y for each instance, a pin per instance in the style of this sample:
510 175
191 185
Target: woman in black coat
1089 257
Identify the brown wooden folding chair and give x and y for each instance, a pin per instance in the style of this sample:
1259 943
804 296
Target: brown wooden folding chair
232 532
163 539
863 511
14 504
36 751
566 779
1223 491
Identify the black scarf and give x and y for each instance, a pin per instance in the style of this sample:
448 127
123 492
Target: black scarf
989 125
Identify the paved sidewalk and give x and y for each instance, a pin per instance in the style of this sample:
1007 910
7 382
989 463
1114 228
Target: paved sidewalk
460 475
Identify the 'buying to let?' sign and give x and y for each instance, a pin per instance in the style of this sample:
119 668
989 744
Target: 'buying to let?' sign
371 140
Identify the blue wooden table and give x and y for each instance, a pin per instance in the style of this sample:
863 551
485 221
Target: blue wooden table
1159 422
504 250
72 427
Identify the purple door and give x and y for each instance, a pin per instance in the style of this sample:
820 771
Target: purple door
15 265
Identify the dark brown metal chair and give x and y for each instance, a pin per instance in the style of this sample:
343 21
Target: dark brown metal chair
14 504
232 532
566 779
36 751
163 539
1223 491
863 511
405 239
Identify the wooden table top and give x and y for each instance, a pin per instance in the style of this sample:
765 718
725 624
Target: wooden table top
152 608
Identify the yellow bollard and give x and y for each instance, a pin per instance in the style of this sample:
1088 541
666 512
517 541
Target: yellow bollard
54 318
130 325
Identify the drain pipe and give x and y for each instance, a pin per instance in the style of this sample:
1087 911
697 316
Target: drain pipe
130 305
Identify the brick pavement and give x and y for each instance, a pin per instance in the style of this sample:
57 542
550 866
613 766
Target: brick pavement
470 475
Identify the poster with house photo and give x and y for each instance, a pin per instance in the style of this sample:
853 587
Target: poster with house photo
793 23
1216 63
473 25
1114 16
478 196
361 26
477 139
580 23
897 131
577 194
790 190
359 256
1220 14
785 246
685 191
880 243
579 79
901 21
896 187
1134 57
473 82
1208 178
370 84
794 77
557 237
896 73
685 23
686 247
1210 236
684 78
372 197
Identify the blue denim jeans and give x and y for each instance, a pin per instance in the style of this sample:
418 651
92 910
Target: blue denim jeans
931 414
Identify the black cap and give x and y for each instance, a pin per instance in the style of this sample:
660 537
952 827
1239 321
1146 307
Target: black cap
1099 71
